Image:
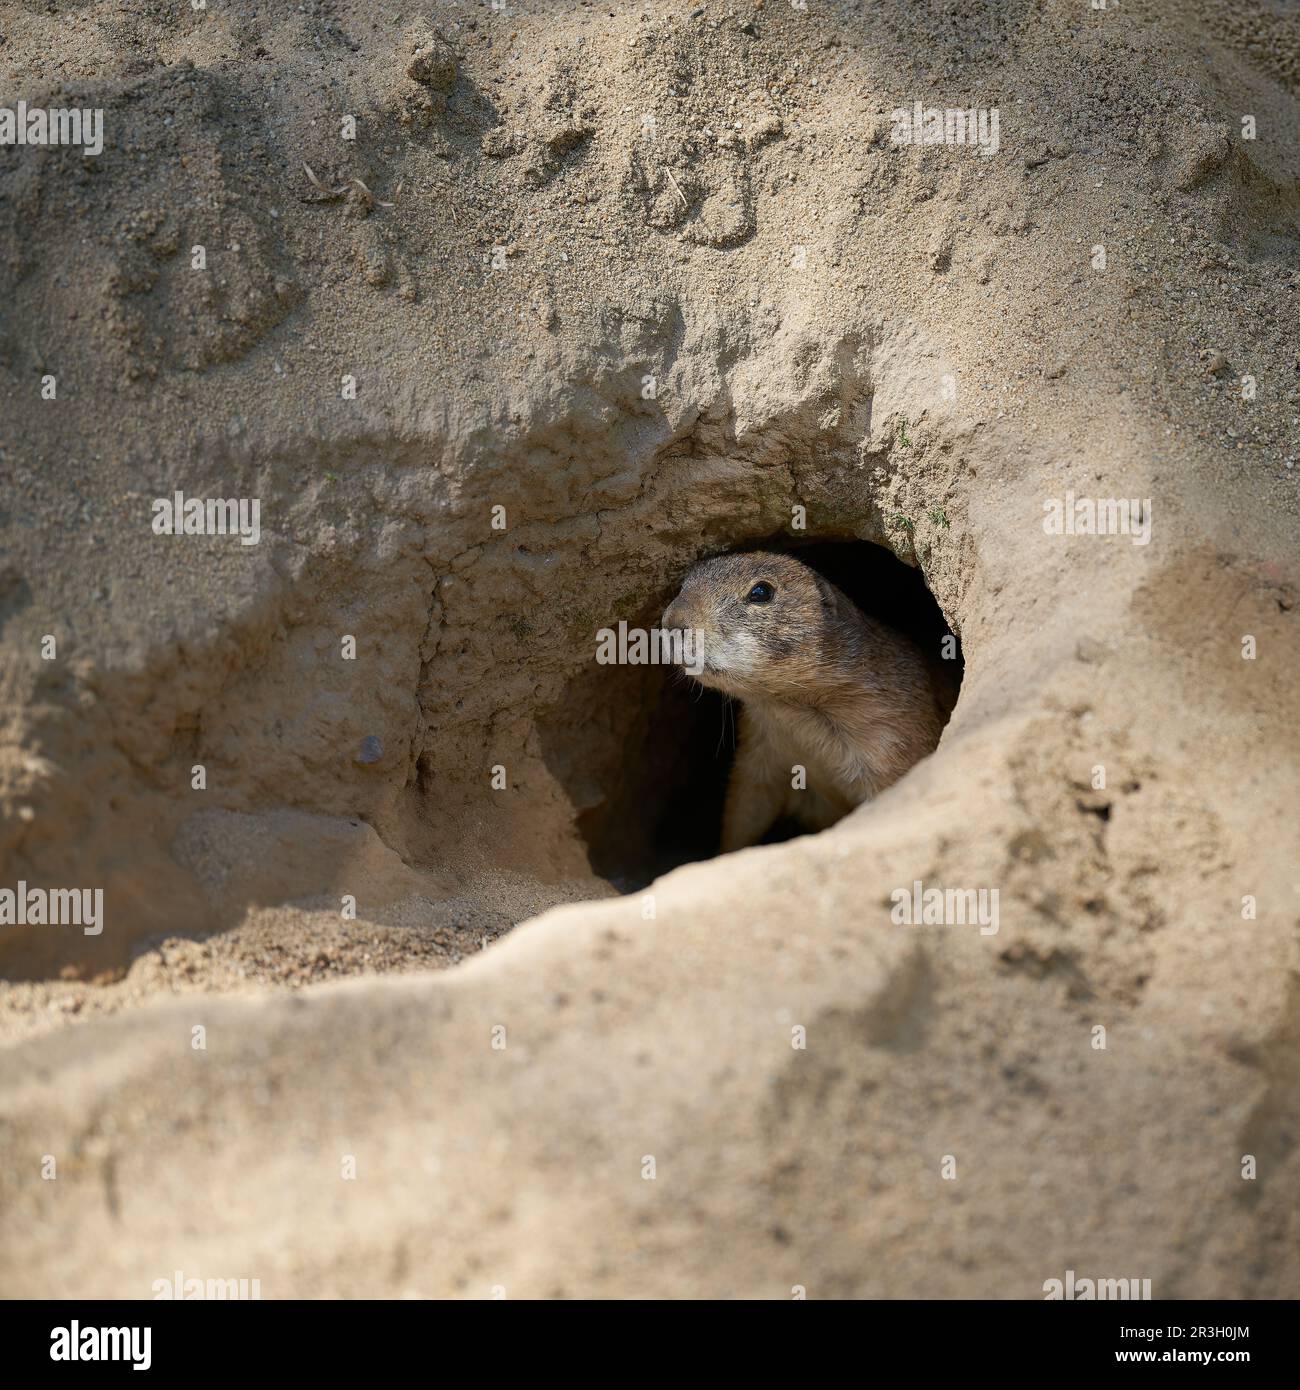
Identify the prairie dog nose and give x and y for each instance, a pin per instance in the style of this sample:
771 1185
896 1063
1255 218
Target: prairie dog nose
677 615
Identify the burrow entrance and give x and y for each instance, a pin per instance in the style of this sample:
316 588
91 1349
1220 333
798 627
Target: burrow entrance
664 806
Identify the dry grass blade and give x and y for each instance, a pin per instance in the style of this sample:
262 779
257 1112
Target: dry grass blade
330 193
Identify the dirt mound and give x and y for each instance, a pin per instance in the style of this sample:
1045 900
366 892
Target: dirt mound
504 319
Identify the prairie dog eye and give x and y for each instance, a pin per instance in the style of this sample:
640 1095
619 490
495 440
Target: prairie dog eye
762 592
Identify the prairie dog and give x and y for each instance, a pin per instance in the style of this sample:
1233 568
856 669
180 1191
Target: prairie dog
823 686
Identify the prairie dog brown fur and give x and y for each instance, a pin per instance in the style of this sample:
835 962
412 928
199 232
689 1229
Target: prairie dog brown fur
823 686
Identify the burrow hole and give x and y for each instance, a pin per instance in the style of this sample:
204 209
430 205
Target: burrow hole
664 805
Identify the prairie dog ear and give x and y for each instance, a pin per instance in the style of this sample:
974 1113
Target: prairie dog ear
830 596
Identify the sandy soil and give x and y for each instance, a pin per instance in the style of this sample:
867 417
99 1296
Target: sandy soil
639 282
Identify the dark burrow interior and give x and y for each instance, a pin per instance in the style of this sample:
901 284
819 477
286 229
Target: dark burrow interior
665 805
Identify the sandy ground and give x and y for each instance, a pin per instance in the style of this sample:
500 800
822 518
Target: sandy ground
288 948
592 293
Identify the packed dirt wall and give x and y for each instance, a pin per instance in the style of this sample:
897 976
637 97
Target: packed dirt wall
506 317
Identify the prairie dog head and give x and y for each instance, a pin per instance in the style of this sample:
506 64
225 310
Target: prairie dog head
763 624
